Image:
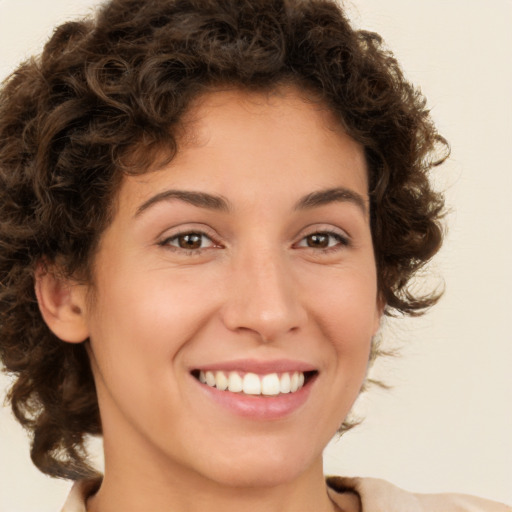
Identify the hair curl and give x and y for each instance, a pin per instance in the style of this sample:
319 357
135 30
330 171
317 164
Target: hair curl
106 96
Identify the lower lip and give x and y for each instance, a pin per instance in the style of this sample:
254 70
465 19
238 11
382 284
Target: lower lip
258 407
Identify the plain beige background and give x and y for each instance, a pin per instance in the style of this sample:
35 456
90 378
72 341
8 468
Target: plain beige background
446 424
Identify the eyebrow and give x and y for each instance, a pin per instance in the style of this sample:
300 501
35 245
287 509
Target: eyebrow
199 199
332 195
214 202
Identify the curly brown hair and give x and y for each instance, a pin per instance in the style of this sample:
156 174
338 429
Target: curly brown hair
106 96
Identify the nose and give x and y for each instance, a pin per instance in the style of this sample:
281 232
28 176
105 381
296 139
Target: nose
263 297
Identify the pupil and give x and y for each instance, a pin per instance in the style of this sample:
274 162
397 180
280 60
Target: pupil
318 240
192 241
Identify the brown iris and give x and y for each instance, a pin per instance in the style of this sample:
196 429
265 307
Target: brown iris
318 240
190 241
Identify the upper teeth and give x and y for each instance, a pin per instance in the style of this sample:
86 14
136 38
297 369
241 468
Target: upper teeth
253 384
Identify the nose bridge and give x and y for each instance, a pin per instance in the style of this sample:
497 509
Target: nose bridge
263 296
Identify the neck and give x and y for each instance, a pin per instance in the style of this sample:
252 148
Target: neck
132 483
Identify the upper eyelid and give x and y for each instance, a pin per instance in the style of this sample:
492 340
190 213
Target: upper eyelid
181 230
165 243
165 239
322 228
342 239
183 233
212 234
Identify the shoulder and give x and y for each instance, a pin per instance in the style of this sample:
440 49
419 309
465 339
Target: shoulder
380 496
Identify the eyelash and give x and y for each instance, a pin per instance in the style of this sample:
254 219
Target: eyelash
342 241
189 252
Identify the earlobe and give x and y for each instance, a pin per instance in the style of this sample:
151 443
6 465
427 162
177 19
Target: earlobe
62 304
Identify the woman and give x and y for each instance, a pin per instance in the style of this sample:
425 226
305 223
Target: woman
215 202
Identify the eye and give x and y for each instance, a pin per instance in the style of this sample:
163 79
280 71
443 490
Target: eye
323 240
190 241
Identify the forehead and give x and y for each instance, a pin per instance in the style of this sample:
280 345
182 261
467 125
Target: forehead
281 142
294 113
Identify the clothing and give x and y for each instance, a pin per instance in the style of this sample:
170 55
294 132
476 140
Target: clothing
373 494
380 496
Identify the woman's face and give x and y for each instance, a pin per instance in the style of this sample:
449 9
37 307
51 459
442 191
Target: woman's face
248 262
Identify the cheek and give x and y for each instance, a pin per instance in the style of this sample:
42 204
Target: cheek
137 331
346 312
158 310
345 305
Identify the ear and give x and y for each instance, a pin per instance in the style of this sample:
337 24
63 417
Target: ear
62 303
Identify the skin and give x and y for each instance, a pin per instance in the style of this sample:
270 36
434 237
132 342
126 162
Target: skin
258 287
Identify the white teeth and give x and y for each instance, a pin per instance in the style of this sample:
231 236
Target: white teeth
235 384
270 384
221 381
210 379
252 384
284 383
294 384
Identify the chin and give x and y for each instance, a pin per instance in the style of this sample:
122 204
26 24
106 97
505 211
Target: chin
259 470
256 477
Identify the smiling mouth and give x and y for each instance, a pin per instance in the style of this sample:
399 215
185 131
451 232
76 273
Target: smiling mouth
268 385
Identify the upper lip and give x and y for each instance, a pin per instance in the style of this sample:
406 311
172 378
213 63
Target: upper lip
259 366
